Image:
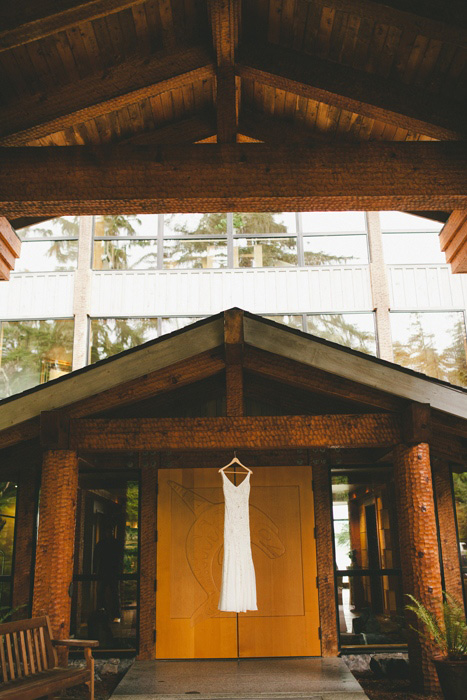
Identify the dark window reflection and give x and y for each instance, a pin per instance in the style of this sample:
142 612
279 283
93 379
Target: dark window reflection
369 591
8 492
460 496
105 598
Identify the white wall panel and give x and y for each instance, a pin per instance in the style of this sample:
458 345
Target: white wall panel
37 295
205 292
426 287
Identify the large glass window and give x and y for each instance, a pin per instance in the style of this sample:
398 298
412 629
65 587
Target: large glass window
431 342
49 246
292 320
369 590
106 572
335 250
399 221
253 247
34 352
110 336
174 323
356 331
333 221
459 479
195 241
412 248
125 242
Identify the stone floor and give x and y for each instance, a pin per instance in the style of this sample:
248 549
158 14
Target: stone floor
246 679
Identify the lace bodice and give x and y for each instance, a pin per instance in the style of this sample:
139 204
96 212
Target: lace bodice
238 592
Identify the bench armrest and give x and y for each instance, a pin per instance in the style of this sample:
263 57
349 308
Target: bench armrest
75 642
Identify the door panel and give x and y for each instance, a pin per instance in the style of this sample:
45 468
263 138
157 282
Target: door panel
287 620
189 564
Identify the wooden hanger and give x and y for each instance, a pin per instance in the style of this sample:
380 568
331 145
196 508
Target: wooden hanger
234 461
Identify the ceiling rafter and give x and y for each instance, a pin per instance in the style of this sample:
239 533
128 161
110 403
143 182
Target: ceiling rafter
23 21
257 177
225 24
126 83
353 90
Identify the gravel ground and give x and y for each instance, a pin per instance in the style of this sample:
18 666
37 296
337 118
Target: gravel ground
387 689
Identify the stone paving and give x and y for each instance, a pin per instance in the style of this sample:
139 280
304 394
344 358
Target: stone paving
245 679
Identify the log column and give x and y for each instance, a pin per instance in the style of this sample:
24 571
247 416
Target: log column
148 557
324 554
447 528
421 572
55 543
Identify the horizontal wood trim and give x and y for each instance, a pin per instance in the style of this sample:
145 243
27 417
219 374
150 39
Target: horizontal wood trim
21 431
369 430
453 241
224 177
23 21
138 78
357 368
95 379
353 90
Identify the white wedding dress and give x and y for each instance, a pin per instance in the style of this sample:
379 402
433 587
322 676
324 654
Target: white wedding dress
238 590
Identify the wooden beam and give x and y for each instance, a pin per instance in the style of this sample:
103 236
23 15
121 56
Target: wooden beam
10 247
134 80
232 177
233 347
26 430
416 423
190 130
23 21
225 25
353 90
453 240
299 376
272 130
442 21
368 430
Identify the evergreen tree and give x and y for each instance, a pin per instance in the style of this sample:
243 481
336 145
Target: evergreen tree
454 356
112 336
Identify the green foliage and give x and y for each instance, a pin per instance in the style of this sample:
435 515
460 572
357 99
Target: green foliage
460 496
111 336
6 611
450 633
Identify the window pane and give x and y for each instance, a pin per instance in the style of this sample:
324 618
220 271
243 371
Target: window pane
371 610
356 331
399 221
8 491
460 496
141 225
317 221
112 335
63 226
267 222
47 256
33 352
105 604
265 252
366 538
195 255
294 321
412 248
195 224
335 250
432 343
125 255
174 323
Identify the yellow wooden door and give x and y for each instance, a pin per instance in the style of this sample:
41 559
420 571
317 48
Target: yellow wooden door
189 565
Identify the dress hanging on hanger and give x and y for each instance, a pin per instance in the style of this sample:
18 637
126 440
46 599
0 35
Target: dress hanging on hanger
238 589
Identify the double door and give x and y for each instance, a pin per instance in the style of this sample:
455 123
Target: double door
189 567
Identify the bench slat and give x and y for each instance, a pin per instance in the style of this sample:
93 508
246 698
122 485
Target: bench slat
43 649
10 657
35 635
23 650
32 663
2 659
19 672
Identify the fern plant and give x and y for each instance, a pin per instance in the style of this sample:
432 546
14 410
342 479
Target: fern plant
450 635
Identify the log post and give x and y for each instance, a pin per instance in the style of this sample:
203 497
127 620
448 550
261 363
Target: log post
55 542
148 557
324 554
24 539
447 528
421 572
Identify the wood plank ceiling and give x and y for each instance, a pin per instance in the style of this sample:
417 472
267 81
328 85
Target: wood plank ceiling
91 72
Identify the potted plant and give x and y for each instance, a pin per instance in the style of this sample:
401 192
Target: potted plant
450 636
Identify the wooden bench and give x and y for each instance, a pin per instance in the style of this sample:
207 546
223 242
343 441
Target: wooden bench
29 661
